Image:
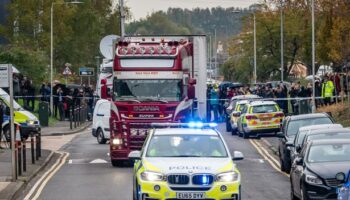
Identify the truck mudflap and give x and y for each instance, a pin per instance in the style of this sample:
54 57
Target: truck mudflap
128 136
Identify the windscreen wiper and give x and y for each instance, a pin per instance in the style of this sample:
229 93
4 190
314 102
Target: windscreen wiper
133 100
154 99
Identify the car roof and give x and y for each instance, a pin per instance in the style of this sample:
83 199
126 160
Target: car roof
330 141
243 97
308 116
186 131
243 102
329 131
320 126
258 103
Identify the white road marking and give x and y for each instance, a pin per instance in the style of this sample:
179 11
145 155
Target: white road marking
46 177
97 161
70 161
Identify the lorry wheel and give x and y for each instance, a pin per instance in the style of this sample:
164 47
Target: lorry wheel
100 137
117 163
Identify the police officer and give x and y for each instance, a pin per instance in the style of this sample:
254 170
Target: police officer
327 90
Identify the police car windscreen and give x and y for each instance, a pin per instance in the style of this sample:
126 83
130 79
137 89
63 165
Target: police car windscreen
186 146
264 108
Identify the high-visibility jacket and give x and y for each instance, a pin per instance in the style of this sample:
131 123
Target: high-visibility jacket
327 89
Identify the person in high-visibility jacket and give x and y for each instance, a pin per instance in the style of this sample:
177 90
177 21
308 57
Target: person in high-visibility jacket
327 90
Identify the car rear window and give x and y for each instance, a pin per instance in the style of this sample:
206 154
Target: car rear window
264 108
294 125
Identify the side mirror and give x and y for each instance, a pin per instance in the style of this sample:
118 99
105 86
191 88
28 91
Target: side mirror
280 134
237 155
135 155
298 148
228 110
340 177
236 113
299 161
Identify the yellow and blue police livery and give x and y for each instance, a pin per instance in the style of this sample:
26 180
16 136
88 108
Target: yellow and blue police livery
190 162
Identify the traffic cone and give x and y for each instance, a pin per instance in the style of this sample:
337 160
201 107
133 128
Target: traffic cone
18 133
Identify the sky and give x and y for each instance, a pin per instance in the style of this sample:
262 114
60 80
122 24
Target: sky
141 8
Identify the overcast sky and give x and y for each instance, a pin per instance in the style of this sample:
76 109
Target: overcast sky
140 8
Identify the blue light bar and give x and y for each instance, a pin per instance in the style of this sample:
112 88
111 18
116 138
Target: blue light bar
193 124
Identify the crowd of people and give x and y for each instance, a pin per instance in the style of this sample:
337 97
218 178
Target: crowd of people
327 88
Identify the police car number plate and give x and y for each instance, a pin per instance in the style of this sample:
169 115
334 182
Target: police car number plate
190 195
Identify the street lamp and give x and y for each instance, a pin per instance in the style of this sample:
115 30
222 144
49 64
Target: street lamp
51 59
313 56
282 42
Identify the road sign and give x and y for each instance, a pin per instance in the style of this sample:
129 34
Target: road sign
4 75
86 71
67 71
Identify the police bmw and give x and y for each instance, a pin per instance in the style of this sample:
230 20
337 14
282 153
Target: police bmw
185 161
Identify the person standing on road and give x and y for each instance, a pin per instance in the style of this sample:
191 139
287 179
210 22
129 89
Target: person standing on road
327 90
214 103
60 103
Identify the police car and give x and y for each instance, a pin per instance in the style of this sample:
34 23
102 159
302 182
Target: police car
185 161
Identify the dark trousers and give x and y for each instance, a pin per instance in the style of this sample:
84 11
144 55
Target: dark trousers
61 110
215 109
327 101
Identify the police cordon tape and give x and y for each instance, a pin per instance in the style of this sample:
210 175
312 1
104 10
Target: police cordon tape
249 99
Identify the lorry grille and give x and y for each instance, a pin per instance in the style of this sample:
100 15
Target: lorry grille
178 179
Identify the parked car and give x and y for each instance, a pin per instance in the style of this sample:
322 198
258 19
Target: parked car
100 121
306 130
289 129
313 172
240 105
232 105
259 117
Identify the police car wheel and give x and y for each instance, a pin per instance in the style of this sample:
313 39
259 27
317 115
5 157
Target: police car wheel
100 137
7 133
228 126
240 193
245 135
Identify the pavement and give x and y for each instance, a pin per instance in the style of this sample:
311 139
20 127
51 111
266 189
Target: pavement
88 174
53 139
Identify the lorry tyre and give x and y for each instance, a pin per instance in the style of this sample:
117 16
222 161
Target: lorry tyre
100 137
117 163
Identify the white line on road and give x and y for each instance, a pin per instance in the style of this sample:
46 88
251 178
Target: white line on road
267 156
70 161
46 177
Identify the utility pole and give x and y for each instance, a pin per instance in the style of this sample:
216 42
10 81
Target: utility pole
12 128
216 55
122 18
255 75
282 42
313 56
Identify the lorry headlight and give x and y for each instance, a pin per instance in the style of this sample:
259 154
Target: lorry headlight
117 141
227 177
313 180
152 176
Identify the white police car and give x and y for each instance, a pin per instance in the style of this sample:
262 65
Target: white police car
191 162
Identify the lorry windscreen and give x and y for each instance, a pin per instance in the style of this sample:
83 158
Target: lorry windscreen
148 90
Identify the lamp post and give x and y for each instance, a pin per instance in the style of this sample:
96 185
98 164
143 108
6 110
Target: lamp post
282 42
51 50
255 75
313 55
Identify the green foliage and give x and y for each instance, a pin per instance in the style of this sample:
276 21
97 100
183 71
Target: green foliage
77 30
31 63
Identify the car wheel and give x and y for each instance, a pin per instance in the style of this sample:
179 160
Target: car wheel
245 135
100 137
7 133
228 126
240 193
282 165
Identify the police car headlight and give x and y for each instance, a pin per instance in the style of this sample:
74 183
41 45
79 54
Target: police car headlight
227 177
313 180
152 176
30 122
